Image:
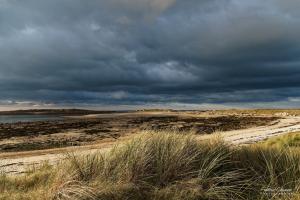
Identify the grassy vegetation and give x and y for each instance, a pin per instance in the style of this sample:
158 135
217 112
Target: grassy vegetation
291 140
165 166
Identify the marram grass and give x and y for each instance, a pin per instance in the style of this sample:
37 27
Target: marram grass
291 140
164 166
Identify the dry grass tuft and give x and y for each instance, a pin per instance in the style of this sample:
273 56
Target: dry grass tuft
164 166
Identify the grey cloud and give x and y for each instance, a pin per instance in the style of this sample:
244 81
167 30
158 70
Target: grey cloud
151 51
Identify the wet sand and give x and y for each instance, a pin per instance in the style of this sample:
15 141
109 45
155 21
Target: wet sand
93 128
19 162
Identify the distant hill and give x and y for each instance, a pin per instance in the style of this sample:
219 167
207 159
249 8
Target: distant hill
54 112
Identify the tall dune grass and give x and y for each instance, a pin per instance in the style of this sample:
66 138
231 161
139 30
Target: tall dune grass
291 140
165 166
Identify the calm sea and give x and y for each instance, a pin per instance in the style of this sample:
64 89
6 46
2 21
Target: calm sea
27 118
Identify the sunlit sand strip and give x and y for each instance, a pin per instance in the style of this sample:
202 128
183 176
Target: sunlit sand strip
19 164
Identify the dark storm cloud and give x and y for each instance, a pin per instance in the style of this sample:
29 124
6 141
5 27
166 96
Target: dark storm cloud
145 51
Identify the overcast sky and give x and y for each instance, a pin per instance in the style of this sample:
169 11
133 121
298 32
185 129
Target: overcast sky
150 52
